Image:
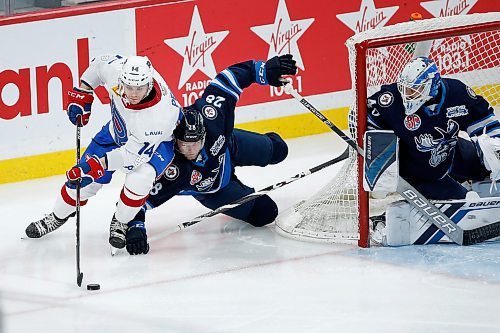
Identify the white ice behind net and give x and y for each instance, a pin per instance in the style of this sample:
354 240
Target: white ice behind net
332 214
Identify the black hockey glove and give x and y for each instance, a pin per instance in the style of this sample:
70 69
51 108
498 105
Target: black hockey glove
137 239
274 68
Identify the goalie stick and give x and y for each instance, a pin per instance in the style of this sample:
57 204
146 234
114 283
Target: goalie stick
251 196
407 191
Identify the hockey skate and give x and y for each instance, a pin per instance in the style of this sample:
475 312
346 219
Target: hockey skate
42 227
377 232
117 234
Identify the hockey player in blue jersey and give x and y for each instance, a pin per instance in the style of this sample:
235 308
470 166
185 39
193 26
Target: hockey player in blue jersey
208 148
426 112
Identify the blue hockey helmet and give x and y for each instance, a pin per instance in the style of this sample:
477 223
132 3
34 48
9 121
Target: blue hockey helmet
418 83
191 127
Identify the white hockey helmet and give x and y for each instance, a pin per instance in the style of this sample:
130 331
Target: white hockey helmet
418 83
137 71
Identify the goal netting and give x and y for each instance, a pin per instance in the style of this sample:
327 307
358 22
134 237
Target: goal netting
466 47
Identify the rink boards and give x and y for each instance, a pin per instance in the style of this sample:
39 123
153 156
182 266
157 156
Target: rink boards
45 52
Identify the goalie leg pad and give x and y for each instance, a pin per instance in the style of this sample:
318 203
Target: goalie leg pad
403 224
484 189
406 226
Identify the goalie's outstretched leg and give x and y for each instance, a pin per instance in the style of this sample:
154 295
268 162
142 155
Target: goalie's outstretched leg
404 225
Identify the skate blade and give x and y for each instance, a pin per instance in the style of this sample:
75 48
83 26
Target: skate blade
113 250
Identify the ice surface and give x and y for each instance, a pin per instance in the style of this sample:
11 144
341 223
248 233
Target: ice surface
222 275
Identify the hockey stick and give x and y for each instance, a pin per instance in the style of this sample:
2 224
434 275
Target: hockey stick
415 198
251 196
79 274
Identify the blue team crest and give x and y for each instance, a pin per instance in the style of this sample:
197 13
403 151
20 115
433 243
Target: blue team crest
386 99
209 112
471 92
412 122
172 172
440 148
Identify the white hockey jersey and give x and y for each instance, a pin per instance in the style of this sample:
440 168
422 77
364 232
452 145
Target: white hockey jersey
136 129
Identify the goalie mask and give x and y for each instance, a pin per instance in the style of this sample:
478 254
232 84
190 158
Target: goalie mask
136 72
418 83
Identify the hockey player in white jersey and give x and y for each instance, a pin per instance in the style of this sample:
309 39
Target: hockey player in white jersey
426 113
137 140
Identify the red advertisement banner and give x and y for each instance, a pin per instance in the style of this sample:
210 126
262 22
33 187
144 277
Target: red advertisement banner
190 42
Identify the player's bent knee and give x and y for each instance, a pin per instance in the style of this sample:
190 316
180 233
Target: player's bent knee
134 193
280 148
264 211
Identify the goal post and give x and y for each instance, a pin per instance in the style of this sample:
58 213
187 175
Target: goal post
466 47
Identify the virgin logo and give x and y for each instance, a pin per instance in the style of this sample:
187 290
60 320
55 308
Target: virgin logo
21 79
195 53
370 23
281 39
457 10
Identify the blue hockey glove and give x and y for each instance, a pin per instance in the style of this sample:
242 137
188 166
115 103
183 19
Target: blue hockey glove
79 105
270 72
137 239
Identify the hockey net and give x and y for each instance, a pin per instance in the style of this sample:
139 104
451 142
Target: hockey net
465 47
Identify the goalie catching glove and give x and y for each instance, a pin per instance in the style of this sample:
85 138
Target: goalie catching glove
87 171
490 148
270 72
79 106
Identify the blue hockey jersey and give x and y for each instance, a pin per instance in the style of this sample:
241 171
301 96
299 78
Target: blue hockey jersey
213 168
428 137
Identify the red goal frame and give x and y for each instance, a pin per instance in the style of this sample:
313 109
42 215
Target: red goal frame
361 88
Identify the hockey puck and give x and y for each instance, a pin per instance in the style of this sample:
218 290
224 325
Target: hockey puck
93 286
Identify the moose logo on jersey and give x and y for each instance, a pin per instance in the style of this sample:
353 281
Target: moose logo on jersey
440 148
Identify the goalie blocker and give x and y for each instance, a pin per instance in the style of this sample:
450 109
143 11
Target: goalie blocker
381 169
405 225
